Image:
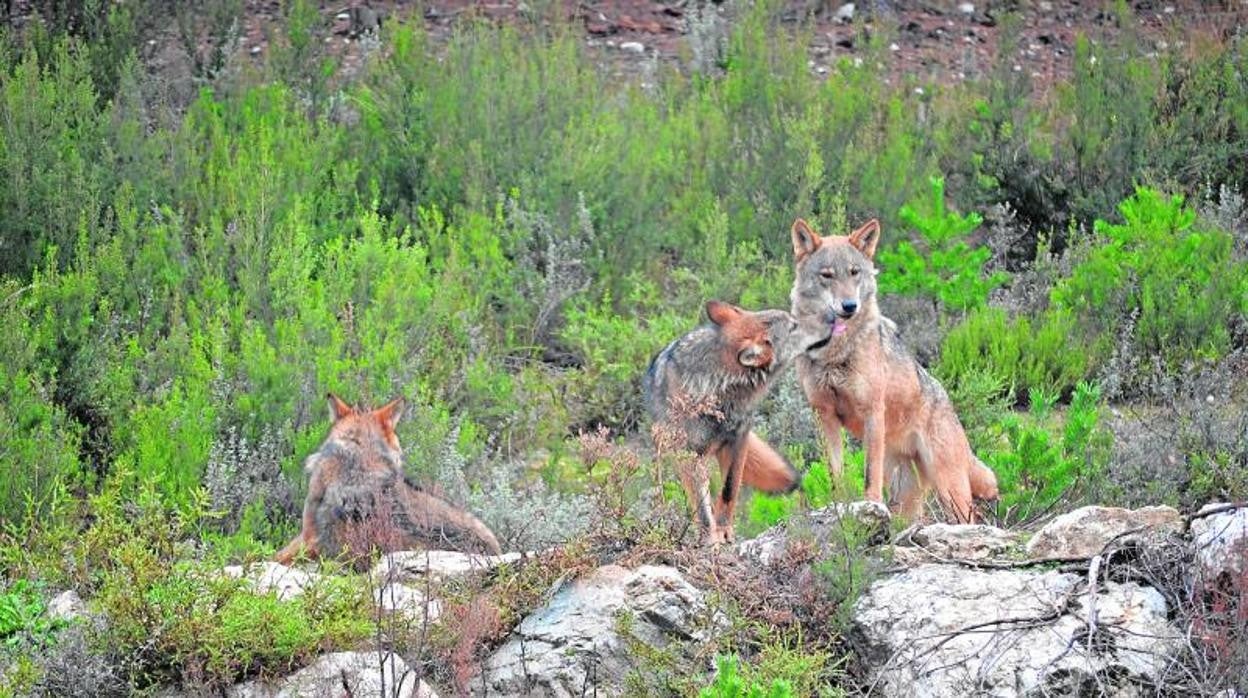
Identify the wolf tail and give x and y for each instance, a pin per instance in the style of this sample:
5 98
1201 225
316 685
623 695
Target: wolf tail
445 526
767 470
983 481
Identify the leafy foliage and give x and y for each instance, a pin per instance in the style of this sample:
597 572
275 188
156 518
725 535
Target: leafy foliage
1038 469
728 683
947 269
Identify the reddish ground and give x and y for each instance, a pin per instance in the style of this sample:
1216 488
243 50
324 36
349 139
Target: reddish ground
937 40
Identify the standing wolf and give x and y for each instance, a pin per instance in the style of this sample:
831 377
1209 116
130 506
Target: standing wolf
701 392
358 497
864 380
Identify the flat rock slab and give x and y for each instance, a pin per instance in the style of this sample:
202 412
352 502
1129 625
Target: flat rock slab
1085 532
343 674
946 630
419 565
964 542
825 526
573 645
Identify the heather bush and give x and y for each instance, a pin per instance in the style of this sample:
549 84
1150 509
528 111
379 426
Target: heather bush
502 232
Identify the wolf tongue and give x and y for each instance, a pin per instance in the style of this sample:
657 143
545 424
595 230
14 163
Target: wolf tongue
839 326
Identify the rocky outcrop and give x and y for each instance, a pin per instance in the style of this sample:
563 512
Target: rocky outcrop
948 630
417 566
829 526
579 642
343 674
1085 532
1221 541
964 542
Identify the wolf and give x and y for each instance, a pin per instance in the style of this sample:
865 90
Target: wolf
701 392
359 498
863 379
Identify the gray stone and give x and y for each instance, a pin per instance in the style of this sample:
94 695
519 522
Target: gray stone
265 577
572 646
825 526
1085 532
946 630
1221 542
966 542
632 47
415 566
342 673
67 606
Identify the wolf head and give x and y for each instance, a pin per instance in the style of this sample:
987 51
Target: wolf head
835 282
367 435
761 341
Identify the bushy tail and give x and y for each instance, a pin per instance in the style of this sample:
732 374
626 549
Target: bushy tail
983 481
767 470
445 526
484 535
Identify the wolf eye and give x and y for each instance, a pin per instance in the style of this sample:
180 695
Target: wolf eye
853 271
827 273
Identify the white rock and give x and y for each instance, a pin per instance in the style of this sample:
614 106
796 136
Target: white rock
572 647
416 565
264 577
929 632
1085 532
1221 541
359 671
967 542
966 8
894 48
845 13
67 606
409 602
824 526
633 47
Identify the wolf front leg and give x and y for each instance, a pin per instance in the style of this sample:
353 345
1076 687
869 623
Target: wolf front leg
874 441
834 441
732 463
694 479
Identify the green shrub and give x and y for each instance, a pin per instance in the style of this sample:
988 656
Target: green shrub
1018 355
729 683
1043 462
174 616
1174 272
23 616
944 268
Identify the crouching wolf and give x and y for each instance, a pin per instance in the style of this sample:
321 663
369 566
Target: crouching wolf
359 499
701 391
866 381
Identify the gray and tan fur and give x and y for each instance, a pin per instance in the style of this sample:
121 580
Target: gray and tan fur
865 380
359 498
701 392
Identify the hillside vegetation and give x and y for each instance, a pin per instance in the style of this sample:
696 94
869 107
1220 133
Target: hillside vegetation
504 233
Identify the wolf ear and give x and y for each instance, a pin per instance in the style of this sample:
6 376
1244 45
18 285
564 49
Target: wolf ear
391 412
337 408
865 238
805 239
722 313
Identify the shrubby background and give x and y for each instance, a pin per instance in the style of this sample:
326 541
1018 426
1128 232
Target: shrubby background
503 232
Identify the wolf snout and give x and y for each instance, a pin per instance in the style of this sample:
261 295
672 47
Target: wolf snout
848 308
